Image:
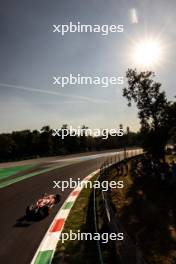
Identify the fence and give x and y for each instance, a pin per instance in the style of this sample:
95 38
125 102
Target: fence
126 250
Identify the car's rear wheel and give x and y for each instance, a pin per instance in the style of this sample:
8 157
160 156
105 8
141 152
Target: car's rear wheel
30 211
43 212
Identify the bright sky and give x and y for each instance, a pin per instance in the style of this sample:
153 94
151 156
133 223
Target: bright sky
31 54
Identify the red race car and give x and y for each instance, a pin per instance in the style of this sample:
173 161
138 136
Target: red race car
42 207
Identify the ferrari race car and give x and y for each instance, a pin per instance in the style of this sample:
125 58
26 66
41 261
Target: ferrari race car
42 207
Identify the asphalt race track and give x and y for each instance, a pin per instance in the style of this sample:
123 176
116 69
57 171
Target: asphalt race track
19 239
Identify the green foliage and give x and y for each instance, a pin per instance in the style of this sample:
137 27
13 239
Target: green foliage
157 115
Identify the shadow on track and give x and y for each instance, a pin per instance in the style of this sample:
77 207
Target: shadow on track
26 222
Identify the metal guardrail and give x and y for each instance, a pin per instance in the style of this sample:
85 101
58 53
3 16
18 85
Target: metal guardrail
127 250
96 227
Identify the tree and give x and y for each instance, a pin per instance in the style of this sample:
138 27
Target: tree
7 147
46 143
154 110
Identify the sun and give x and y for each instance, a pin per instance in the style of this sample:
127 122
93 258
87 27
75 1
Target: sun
146 53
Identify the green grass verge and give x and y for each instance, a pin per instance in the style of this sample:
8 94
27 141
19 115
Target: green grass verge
78 251
146 208
4 183
7 172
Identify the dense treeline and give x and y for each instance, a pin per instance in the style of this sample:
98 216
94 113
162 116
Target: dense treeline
27 144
